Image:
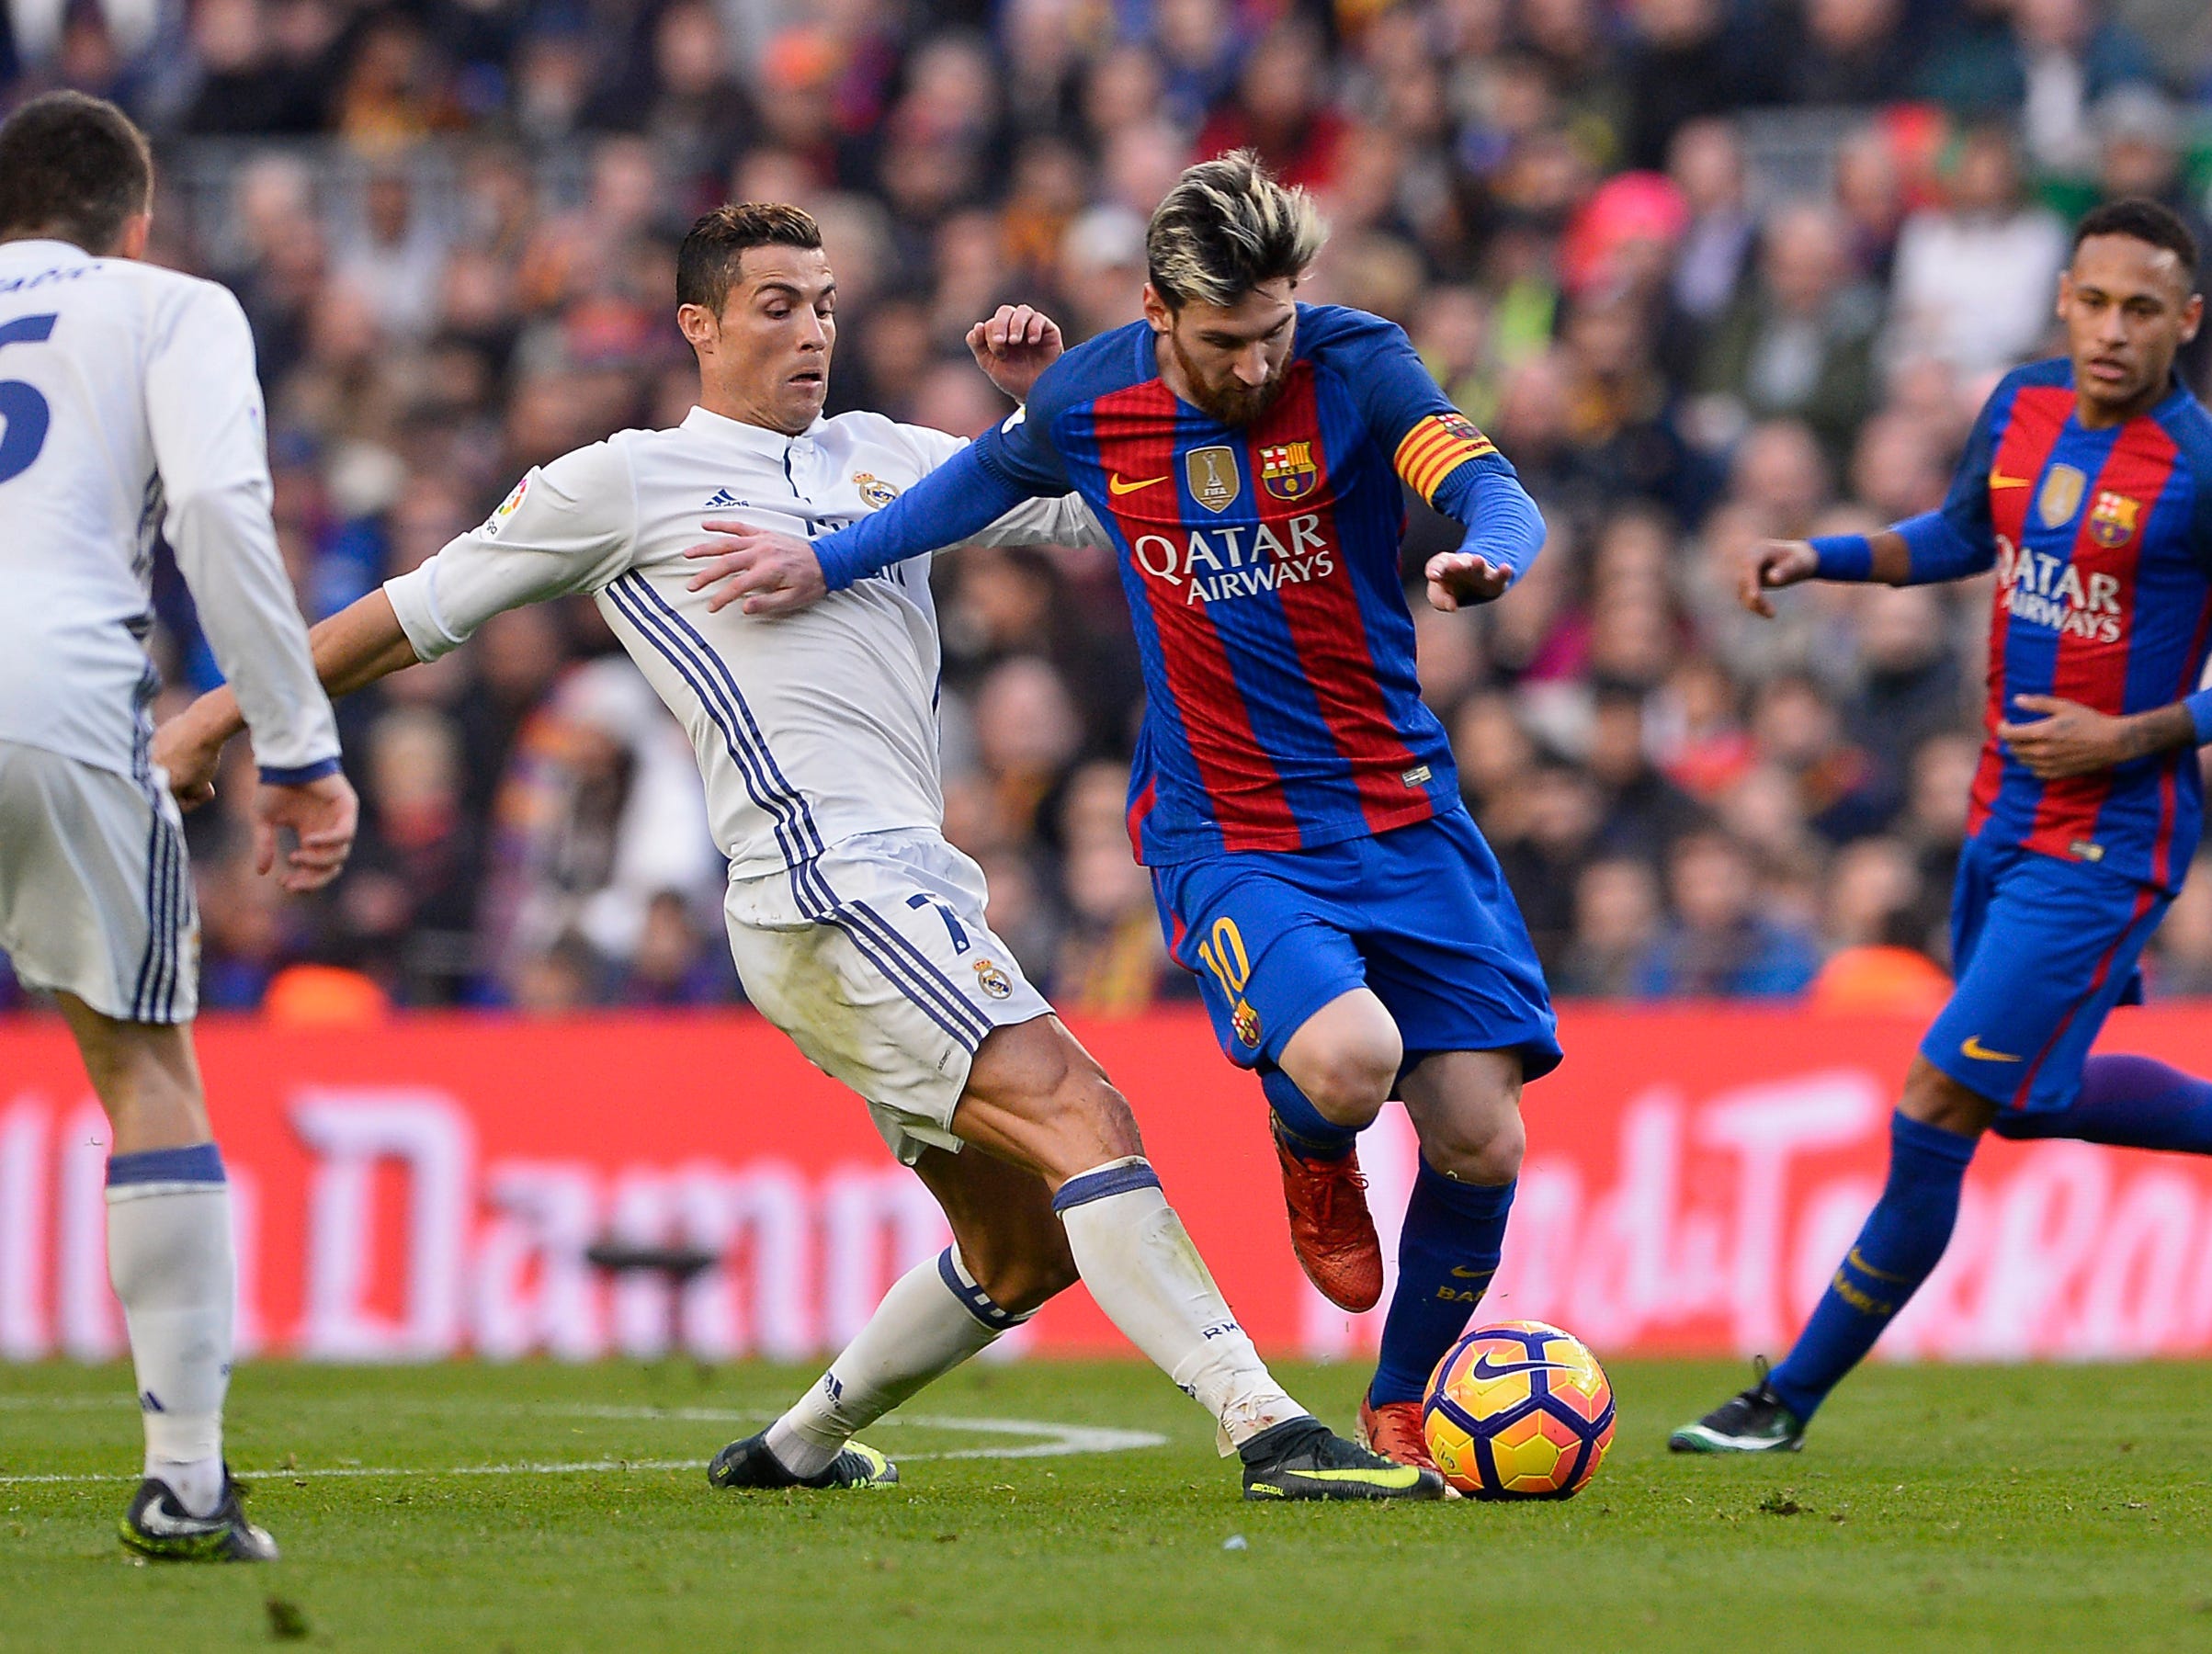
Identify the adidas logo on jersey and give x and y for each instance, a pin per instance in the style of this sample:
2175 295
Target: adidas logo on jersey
722 500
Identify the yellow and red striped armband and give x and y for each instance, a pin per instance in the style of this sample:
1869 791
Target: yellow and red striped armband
1435 447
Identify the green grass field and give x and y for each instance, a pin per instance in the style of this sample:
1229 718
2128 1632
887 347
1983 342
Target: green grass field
1937 1509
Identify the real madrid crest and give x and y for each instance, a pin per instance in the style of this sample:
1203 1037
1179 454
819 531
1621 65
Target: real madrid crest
2112 519
992 980
2061 495
874 489
1214 479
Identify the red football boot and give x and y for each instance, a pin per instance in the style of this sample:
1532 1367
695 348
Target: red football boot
1394 1431
1330 1229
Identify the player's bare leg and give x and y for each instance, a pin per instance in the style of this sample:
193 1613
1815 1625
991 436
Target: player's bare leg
170 1258
1336 1071
1009 1255
1035 1098
1465 1110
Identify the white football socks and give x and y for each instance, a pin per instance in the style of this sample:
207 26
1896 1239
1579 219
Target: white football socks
1140 1264
934 1318
170 1257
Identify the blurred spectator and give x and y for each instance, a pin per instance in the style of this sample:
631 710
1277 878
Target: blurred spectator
1800 341
1719 942
1975 281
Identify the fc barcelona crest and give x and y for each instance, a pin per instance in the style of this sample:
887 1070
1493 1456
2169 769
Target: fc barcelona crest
1287 471
1246 1022
2112 518
1213 477
2061 495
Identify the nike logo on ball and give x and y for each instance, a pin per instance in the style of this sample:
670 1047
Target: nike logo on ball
1482 1370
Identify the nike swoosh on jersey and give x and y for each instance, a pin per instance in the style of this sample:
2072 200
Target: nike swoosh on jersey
1119 484
1482 1370
1999 480
1472 1274
1980 1053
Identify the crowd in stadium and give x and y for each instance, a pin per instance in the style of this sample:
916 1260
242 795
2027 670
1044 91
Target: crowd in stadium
1707 270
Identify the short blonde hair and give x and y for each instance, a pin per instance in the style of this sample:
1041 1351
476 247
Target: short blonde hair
1226 228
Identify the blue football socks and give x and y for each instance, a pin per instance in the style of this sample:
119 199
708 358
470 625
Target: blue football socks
1898 1248
1309 1131
1449 1248
2129 1102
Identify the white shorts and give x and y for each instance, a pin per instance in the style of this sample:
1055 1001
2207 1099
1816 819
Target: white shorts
96 899
874 958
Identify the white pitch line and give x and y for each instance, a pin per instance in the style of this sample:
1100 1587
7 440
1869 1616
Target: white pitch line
1056 1440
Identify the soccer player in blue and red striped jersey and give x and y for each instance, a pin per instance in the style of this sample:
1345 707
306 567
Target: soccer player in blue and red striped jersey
1293 798
2087 485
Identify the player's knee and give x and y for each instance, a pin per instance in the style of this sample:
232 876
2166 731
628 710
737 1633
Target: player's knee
1485 1147
1933 1098
1106 1113
1350 1078
1088 1120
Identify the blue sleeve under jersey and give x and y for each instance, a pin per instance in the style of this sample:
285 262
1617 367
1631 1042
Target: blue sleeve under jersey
961 497
1007 464
1503 527
1960 538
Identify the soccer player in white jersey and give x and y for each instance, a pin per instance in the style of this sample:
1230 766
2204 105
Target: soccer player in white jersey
857 928
130 406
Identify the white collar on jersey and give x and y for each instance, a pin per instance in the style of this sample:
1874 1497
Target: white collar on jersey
46 247
759 437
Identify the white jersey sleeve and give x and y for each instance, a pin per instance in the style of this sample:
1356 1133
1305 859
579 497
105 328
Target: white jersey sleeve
1064 520
569 526
204 419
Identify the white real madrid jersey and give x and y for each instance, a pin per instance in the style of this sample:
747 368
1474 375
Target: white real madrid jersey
809 728
128 404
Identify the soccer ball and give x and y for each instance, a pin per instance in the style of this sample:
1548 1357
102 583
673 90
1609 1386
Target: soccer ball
1518 1410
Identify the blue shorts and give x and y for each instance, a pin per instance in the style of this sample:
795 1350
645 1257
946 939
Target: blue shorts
1421 915
2044 949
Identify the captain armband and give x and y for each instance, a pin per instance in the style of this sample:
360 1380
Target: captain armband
1437 446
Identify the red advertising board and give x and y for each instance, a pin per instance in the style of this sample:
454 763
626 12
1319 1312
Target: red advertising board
429 1188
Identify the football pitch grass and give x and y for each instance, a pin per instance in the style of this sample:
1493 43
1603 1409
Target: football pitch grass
552 1507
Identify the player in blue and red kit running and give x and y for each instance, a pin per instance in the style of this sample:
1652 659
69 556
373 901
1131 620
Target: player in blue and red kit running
1293 799
2087 485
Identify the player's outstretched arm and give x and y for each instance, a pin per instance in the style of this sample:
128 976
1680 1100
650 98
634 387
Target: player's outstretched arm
354 647
779 574
1921 550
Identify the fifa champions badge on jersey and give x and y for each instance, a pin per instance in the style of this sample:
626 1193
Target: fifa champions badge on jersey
505 509
2061 495
1247 1023
1288 470
1214 479
2112 520
874 489
992 980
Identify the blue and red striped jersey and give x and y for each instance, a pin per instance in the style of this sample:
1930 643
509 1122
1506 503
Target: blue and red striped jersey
1283 707
2102 540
